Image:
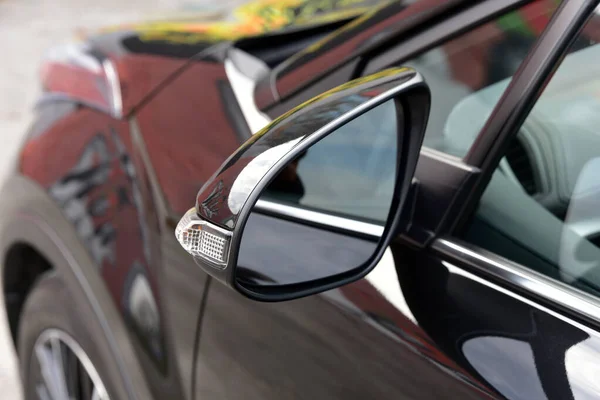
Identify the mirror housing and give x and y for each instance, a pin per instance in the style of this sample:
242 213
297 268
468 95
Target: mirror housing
211 231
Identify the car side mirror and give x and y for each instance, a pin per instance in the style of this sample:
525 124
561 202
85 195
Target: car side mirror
311 201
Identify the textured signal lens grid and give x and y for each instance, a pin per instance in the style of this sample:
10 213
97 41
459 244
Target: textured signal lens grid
198 241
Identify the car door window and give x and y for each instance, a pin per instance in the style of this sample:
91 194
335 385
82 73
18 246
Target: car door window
479 61
542 205
471 63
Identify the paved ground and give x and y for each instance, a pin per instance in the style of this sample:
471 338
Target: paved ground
27 29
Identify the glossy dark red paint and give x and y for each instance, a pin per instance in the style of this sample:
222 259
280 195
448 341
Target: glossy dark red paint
123 183
187 132
138 75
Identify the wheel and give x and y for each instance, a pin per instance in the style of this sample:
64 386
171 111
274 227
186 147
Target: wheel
57 354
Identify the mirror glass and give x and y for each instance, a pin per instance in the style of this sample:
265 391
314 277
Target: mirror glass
325 211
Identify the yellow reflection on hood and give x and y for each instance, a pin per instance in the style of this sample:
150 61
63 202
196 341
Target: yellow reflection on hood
251 19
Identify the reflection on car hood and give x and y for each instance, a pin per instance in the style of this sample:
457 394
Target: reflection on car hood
250 19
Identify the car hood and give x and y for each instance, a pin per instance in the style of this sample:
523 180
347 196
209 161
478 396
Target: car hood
144 55
252 19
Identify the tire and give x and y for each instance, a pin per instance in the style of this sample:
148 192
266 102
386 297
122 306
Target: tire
49 317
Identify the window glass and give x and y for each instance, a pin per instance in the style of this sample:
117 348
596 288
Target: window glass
470 63
351 172
542 205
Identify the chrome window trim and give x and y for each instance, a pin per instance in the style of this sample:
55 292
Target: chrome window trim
446 158
83 56
114 86
320 218
243 87
511 293
521 277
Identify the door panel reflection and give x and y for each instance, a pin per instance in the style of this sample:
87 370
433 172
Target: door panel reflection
507 364
355 342
518 346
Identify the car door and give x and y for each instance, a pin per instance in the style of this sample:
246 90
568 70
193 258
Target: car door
519 267
506 286
444 314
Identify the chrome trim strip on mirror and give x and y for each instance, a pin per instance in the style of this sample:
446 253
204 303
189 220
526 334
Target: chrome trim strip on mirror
320 218
520 277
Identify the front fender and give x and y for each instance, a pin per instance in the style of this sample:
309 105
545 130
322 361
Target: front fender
87 165
104 75
28 215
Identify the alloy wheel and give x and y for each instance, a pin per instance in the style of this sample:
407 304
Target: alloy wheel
65 370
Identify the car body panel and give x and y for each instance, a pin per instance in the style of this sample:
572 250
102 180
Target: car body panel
103 74
102 191
493 334
122 182
536 351
421 325
311 348
29 215
116 68
204 116
358 341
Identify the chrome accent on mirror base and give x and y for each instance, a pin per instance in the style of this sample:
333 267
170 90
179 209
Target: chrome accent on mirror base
320 218
520 277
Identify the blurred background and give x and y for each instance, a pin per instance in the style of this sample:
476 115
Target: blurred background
29 29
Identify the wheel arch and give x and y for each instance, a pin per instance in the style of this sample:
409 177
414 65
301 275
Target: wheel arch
22 265
31 223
